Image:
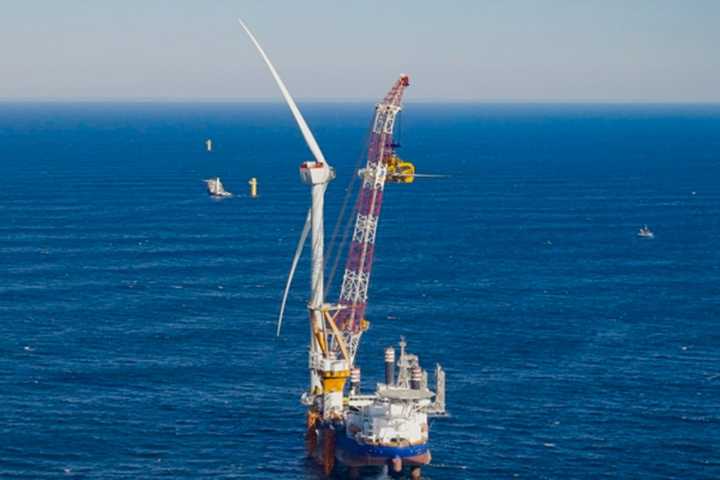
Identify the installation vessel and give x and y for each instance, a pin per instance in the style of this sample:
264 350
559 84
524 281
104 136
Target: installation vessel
346 427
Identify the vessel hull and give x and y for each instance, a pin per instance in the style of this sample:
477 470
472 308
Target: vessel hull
355 454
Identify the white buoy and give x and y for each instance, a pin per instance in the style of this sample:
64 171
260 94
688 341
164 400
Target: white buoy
208 145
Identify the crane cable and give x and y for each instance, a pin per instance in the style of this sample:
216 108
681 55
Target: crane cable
334 247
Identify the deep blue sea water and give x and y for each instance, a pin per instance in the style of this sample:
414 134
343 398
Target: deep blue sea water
137 315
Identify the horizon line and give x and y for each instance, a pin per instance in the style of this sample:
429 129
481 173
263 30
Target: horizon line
265 100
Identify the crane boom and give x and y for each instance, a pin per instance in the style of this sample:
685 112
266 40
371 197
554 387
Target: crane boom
356 278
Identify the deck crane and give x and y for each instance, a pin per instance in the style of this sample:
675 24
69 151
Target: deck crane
356 278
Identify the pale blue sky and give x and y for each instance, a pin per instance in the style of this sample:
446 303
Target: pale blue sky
512 50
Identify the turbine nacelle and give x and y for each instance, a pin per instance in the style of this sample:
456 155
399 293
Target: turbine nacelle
314 173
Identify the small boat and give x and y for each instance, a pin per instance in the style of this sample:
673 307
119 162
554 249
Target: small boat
645 232
215 188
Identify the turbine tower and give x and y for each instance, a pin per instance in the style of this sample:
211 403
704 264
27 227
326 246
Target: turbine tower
327 373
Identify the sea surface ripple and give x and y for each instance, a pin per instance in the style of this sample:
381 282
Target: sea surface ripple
137 315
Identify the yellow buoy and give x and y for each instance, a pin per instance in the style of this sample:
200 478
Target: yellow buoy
253 187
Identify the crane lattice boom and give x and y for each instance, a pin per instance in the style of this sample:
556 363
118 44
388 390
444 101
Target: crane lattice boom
356 279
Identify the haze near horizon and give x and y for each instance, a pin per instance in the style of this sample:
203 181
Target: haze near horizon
560 51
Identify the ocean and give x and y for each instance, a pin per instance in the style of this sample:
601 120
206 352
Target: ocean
137 315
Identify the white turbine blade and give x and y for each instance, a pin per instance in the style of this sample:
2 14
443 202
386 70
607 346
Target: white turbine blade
307 134
296 258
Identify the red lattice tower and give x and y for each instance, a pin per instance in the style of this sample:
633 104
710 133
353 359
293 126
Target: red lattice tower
356 279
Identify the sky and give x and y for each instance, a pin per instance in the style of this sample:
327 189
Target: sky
453 50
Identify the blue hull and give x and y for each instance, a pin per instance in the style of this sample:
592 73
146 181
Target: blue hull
352 453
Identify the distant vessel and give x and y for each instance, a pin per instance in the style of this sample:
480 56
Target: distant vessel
215 188
208 145
645 232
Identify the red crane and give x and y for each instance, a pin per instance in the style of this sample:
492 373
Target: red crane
381 162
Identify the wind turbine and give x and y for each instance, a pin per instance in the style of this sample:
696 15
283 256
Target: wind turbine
316 173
